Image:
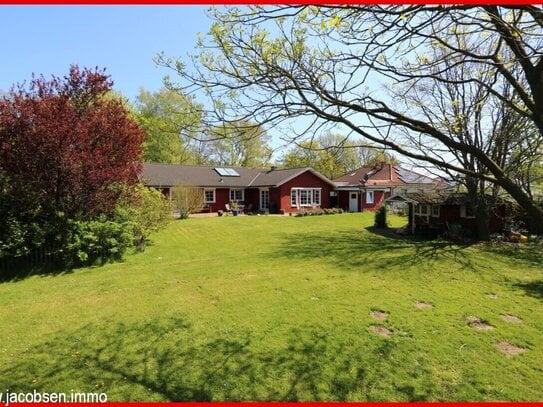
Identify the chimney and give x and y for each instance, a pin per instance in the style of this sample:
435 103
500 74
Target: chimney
390 169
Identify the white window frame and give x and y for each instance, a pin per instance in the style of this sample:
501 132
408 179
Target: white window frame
419 212
305 196
293 197
436 214
313 197
206 190
368 195
234 191
316 196
318 201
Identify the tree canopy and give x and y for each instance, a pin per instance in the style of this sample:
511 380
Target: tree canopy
332 155
350 66
69 152
66 146
239 144
175 133
171 121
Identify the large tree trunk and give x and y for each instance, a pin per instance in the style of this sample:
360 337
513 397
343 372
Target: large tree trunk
482 218
476 193
533 212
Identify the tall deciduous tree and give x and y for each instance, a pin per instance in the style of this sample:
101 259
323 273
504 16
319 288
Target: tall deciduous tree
333 155
331 64
66 146
240 144
171 121
466 111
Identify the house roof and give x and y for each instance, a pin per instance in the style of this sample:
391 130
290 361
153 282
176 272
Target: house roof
168 175
385 175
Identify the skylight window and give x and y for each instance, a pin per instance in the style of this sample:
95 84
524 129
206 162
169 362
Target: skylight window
227 172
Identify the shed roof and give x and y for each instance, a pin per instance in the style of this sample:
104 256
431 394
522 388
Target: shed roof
432 198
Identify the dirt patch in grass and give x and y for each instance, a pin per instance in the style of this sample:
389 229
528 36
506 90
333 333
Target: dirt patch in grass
379 315
423 305
511 318
492 296
510 349
478 323
381 330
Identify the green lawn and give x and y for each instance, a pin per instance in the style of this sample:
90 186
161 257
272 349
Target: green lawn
279 308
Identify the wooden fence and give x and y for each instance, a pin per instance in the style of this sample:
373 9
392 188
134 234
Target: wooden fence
43 257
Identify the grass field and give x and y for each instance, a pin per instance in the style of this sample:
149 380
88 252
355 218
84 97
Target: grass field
282 308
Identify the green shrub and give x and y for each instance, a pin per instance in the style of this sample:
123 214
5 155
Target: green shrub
13 237
381 217
332 211
100 239
147 213
319 211
56 240
186 199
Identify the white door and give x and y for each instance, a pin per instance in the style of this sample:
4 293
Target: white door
353 201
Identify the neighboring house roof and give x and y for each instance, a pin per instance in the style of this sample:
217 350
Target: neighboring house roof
385 175
168 175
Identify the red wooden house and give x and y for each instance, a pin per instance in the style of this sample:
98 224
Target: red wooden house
366 188
439 211
273 190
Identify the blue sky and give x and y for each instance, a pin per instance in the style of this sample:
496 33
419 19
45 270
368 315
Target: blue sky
123 39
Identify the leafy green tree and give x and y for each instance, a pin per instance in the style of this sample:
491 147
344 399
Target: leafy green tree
67 146
171 122
69 152
239 144
334 155
465 110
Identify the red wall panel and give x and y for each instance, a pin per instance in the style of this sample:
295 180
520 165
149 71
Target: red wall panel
378 198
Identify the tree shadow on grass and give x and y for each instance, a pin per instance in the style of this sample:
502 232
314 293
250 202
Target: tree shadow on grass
13 275
533 288
428 249
531 252
21 270
374 249
168 360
